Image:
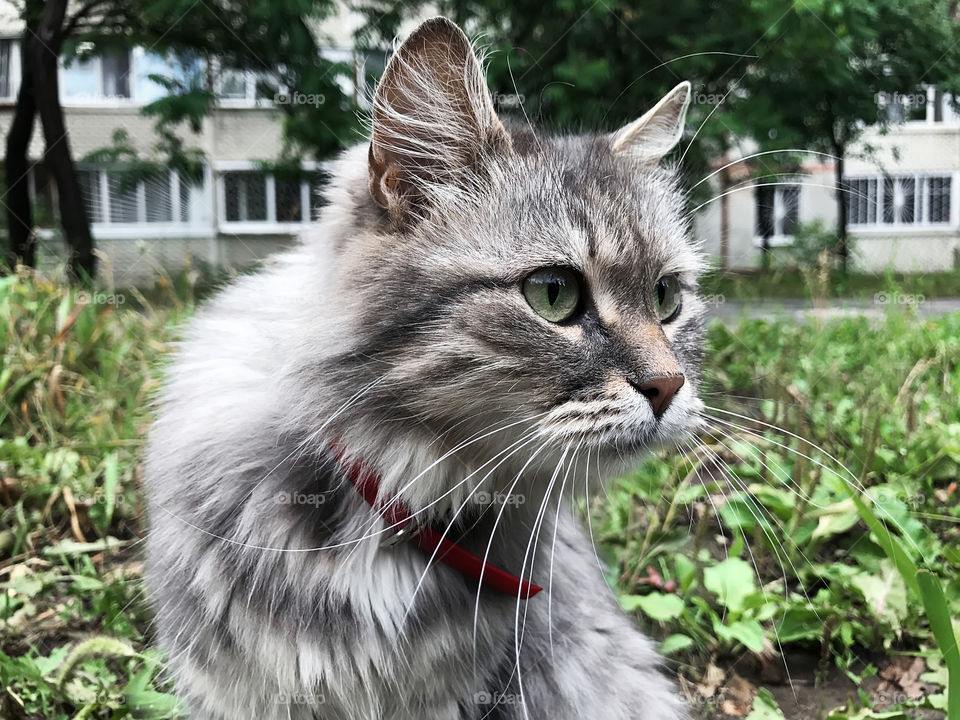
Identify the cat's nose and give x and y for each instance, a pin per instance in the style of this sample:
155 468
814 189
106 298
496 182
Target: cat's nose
659 390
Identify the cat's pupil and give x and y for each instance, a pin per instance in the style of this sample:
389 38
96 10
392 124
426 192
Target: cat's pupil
553 292
661 292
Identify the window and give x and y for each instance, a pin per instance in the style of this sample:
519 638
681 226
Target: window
938 199
900 200
115 75
896 108
81 80
289 200
233 85
115 198
246 196
260 197
158 200
7 50
778 210
154 71
89 181
238 87
122 199
862 202
97 78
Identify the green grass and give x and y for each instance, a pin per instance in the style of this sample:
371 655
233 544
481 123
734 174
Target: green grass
75 384
766 551
800 282
742 553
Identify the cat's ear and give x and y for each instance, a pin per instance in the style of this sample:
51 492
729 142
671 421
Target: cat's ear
655 134
433 116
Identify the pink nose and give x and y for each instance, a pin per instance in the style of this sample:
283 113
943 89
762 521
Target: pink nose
659 390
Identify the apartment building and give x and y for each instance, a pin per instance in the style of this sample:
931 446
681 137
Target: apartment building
902 186
903 197
236 213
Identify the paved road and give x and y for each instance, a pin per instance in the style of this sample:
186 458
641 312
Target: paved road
730 311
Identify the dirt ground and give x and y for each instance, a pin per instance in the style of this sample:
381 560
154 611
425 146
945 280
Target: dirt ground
728 695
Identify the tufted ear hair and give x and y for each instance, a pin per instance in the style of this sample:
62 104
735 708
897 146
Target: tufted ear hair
655 134
433 117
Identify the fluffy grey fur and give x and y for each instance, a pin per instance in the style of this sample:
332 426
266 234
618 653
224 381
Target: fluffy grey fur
400 327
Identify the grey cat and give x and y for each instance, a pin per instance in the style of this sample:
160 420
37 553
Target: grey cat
483 322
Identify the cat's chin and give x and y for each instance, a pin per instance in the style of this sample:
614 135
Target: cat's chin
624 450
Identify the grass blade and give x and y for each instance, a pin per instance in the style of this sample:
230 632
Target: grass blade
938 613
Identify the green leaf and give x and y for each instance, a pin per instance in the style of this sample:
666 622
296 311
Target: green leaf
938 613
748 633
657 606
765 707
111 476
674 643
149 703
885 593
686 571
85 583
835 519
737 515
891 545
799 623
731 581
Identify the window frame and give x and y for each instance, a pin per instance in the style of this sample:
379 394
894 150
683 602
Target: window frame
249 100
938 110
778 238
105 228
269 226
13 70
877 186
136 53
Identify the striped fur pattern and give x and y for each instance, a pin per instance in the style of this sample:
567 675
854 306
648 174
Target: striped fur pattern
399 326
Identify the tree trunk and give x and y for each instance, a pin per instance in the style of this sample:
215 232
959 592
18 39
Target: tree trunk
17 201
57 157
841 196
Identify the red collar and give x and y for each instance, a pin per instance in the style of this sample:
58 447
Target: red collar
398 516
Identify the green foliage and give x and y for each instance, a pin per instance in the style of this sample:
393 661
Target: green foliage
938 610
787 281
76 378
829 472
779 76
745 546
275 40
812 244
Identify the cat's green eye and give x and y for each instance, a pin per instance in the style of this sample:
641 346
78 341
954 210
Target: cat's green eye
554 293
666 297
